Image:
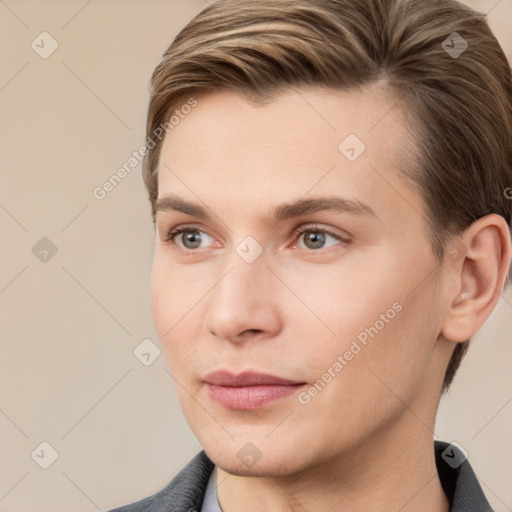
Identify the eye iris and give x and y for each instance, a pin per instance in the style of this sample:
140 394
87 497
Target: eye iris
191 239
314 239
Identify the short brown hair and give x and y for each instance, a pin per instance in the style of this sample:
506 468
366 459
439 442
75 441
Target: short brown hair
461 104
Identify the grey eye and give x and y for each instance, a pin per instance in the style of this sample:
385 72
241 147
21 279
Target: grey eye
314 239
191 239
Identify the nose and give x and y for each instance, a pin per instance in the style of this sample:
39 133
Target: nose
245 304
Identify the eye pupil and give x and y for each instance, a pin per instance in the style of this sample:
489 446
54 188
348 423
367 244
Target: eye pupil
314 239
191 239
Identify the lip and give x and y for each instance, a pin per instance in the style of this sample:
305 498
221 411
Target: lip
247 378
248 390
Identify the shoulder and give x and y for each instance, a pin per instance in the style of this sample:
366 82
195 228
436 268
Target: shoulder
459 480
185 492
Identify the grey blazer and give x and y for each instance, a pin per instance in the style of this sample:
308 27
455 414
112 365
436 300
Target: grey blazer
185 493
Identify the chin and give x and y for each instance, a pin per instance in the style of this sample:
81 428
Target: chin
262 468
262 458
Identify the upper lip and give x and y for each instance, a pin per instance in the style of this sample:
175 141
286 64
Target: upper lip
247 378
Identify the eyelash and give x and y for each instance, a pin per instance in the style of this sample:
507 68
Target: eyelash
173 233
314 228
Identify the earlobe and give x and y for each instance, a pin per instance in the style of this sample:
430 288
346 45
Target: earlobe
480 276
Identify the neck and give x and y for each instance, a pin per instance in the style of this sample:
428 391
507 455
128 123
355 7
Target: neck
394 471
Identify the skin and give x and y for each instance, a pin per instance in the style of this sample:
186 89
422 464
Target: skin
364 442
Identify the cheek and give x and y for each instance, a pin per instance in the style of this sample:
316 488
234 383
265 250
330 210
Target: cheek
347 301
377 320
173 305
161 302
175 291
361 378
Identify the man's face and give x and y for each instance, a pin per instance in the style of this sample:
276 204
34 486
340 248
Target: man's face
344 301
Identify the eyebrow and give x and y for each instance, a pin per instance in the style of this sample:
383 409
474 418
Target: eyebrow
280 213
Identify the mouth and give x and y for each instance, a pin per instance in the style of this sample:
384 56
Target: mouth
248 390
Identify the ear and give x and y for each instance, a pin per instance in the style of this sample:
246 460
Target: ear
479 266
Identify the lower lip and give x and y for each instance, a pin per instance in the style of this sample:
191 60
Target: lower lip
250 397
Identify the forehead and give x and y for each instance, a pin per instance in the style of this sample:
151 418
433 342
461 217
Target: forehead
306 141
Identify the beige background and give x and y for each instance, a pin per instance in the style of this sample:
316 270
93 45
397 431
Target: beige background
68 374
